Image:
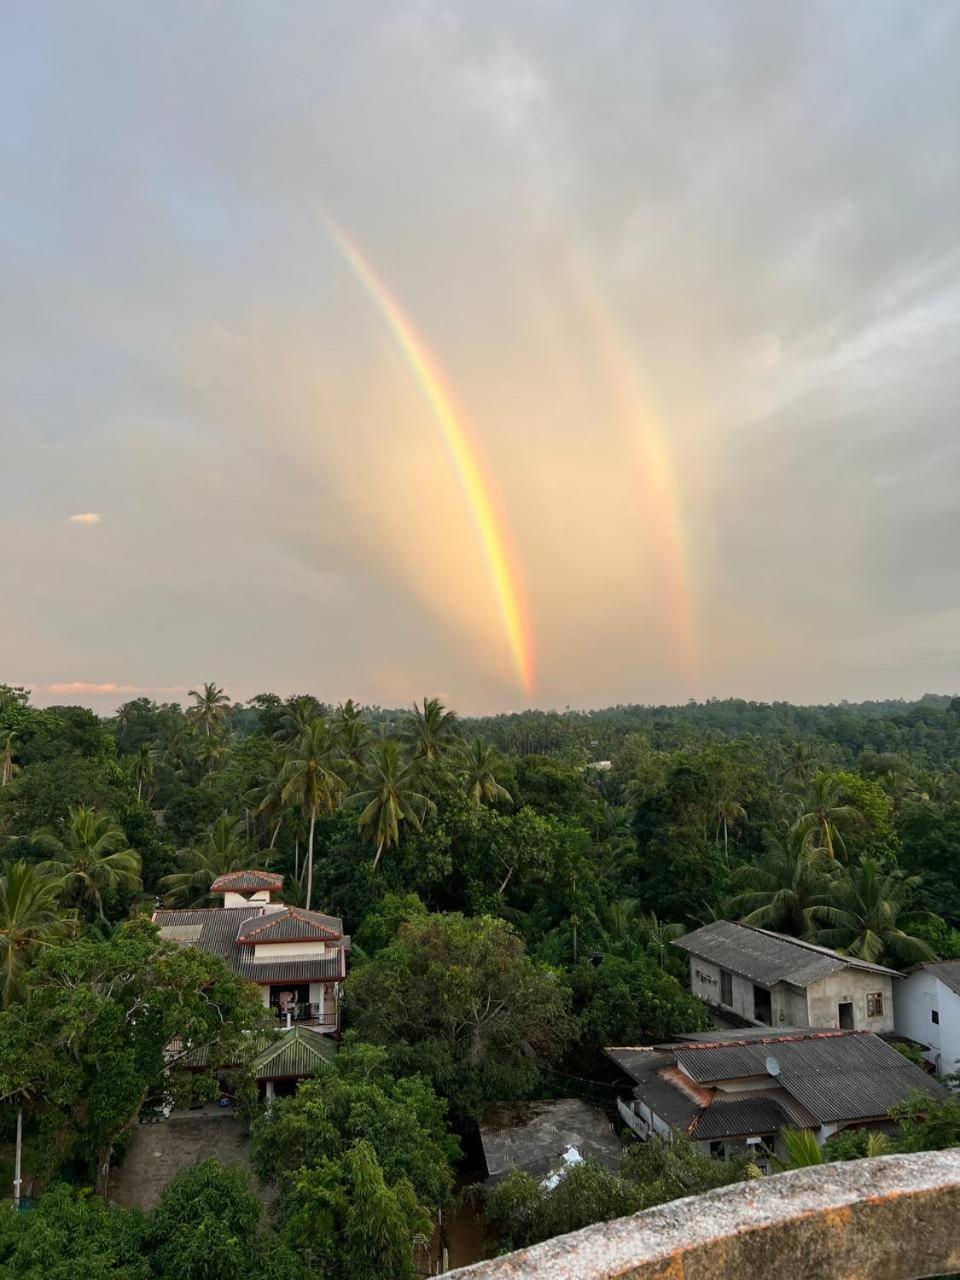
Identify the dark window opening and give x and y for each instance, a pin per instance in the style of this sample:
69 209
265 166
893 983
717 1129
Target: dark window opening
726 987
935 1016
875 1004
845 1013
762 1007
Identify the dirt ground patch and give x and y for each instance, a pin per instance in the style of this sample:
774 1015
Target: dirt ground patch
158 1152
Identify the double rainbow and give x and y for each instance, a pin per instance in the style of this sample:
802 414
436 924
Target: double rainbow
488 517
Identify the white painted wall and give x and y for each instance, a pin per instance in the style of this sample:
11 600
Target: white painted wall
283 950
917 998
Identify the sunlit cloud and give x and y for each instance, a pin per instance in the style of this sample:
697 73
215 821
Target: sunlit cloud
92 689
85 517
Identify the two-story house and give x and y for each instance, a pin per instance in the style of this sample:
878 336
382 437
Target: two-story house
297 958
927 1008
760 978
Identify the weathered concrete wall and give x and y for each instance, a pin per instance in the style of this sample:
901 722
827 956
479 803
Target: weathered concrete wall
824 996
888 1218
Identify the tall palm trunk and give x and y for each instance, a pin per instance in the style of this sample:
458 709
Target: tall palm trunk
379 851
276 832
313 820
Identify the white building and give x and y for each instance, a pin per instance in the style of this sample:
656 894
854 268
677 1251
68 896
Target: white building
927 1009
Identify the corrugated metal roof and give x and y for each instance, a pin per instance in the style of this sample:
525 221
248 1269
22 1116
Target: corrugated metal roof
754 1116
297 1053
218 933
246 882
665 1099
768 958
290 925
948 971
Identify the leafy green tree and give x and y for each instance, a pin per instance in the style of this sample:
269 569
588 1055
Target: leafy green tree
389 797
928 1124
431 731
313 778
458 999
68 1235
90 857
483 767
30 919
209 712
669 1170
357 1098
222 849
355 1224
628 1001
862 914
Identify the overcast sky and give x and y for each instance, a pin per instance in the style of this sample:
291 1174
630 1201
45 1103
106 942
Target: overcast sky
692 271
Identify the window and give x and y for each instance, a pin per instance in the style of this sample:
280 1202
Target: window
935 1016
726 987
875 1004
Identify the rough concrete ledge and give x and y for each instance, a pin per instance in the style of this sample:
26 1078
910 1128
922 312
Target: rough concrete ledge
886 1218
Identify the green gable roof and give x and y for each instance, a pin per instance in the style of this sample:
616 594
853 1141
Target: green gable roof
298 1052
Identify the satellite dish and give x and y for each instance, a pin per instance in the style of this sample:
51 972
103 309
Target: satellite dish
773 1066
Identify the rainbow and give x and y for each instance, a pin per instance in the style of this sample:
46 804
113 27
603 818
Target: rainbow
649 444
491 524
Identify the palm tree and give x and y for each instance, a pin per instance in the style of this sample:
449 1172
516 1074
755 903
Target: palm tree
353 734
30 919
266 796
142 769
799 765
313 777
781 891
657 936
431 731
390 798
824 810
210 709
803 1151
860 915
622 924
299 713
91 858
729 812
221 850
483 766
209 754
8 751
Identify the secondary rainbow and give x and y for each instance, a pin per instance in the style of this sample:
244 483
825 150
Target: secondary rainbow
490 521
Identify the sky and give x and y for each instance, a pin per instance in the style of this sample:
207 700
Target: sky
683 282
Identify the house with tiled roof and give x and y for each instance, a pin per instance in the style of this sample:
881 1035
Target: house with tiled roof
734 1092
297 958
755 977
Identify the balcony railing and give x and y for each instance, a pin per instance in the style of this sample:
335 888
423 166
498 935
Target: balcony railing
313 1014
883 1218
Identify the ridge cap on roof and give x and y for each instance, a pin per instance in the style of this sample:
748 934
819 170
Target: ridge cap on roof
828 1033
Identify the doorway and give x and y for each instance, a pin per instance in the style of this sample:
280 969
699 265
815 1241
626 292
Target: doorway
845 1014
762 1010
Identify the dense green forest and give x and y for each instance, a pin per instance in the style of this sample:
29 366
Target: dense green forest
533 866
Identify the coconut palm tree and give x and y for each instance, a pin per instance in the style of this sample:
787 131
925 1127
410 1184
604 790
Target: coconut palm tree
266 796
825 812
483 767
30 919
90 858
389 797
729 812
299 713
221 849
431 731
657 936
622 924
143 768
780 892
353 734
210 709
312 777
860 913
8 752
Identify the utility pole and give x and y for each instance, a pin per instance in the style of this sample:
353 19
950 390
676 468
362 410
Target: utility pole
17 1180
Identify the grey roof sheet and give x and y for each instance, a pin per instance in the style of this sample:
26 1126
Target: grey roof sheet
846 1075
218 933
948 971
768 958
667 1100
753 1116
246 882
289 925
532 1135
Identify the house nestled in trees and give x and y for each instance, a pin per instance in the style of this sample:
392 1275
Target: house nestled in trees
297 958
752 977
734 1092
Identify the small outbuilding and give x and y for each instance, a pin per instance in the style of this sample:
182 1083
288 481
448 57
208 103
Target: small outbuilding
546 1136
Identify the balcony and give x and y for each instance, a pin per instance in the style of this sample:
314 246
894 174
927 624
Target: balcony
311 1014
886 1218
